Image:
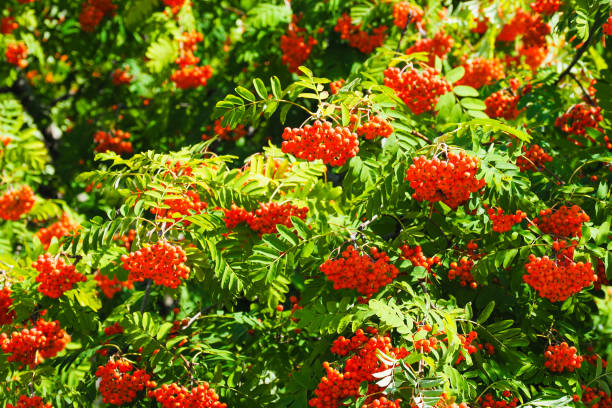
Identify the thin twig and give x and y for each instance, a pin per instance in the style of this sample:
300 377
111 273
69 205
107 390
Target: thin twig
584 91
421 136
583 48
146 295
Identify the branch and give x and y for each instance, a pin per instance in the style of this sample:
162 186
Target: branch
584 91
421 136
583 48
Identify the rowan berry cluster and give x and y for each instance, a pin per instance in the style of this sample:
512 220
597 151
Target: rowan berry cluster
116 141
111 286
463 269
122 76
579 118
481 71
482 25
226 133
265 219
188 45
177 208
335 86
439 46
383 402
126 240
16 54
466 343
190 75
334 146
296 45
55 276
8 25
30 347
560 358
607 26
420 90
357 38
488 401
374 128
30 402
602 278
504 222
534 56
6 314
557 280
15 203
120 383
545 6
415 255
337 386
564 222
502 104
405 13
62 228
531 27
113 329
174 3
533 159
426 344
450 181
92 13
595 398
173 395
365 273
162 262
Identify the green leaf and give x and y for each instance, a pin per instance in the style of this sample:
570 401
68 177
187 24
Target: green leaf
455 74
260 87
473 104
486 312
465 91
245 93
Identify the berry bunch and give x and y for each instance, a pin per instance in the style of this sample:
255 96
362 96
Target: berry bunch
365 273
357 38
92 13
426 344
415 255
126 240
235 216
481 71
534 56
607 26
162 262
30 347
265 219
336 386
111 286
383 402
116 141
8 25
602 278
504 222
562 358
374 128
55 276
565 222
6 314
533 159
188 45
177 208
173 395
192 76
466 343
174 3
120 383
595 398
227 133
296 45
420 90
557 281
450 181
502 104
30 402
62 228
122 76
531 27
482 25
335 86
439 46
113 329
405 13
578 118
15 203
463 269
16 54
488 401
334 146
545 6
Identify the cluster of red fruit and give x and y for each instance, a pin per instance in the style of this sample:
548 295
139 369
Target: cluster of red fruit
450 181
335 86
62 228
116 141
162 262
16 54
226 133
488 401
564 222
93 11
122 76
405 13
607 26
579 118
337 386
55 276
178 208
426 344
558 280
296 45
416 256
357 38
533 159
334 146
173 395
30 347
365 273
15 203
562 358
439 46
265 219
8 25
419 90
531 27
504 222
594 398
6 314
125 240
190 75
463 269
30 402
174 4
111 286
481 71
120 383
545 6
373 128
502 104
